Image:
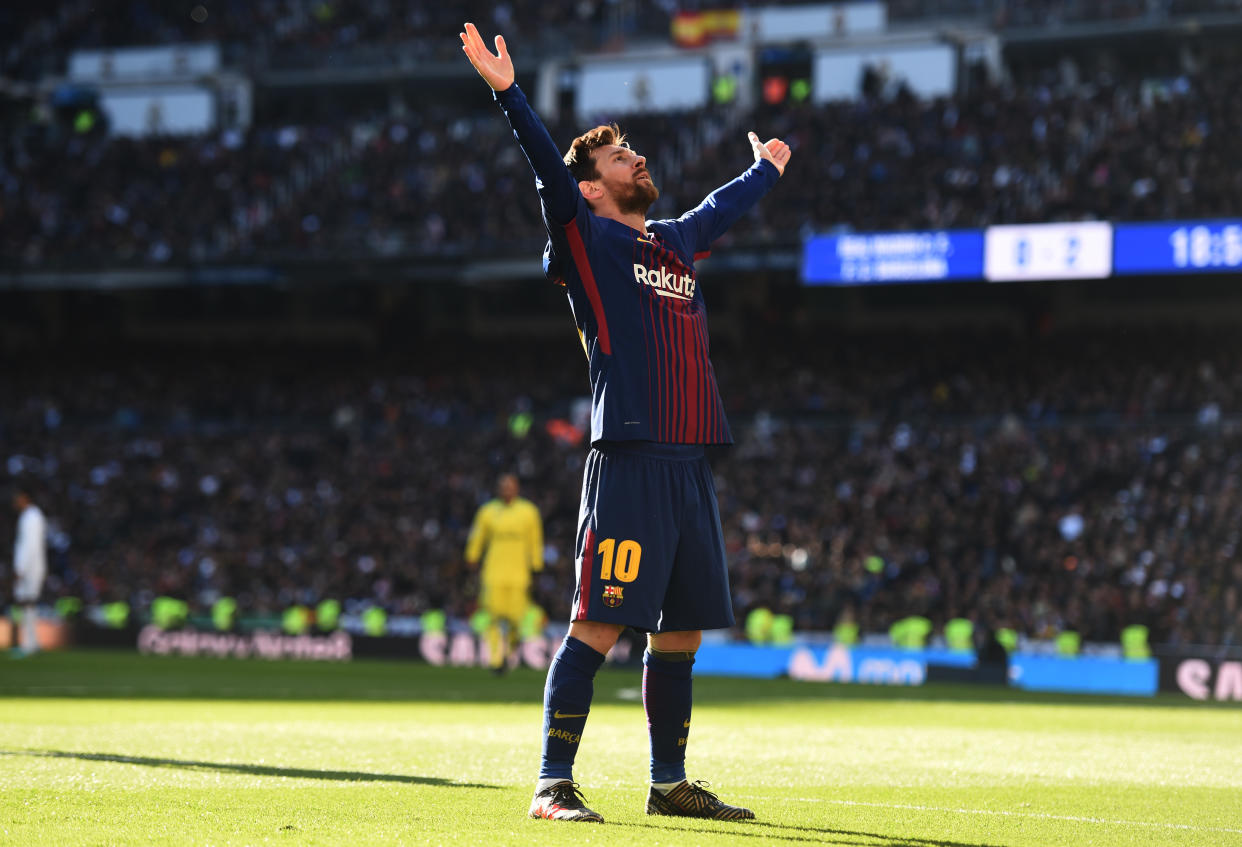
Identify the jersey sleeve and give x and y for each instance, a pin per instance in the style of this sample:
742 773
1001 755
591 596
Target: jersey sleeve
479 531
709 220
536 539
558 190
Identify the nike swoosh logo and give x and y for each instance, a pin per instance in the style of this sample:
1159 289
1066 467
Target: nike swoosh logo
557 714
686 725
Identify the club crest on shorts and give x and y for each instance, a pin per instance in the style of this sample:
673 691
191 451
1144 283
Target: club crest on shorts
612 596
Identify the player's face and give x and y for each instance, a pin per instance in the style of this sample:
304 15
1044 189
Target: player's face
623 174
507 487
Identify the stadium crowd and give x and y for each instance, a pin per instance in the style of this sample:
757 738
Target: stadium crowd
444 179
267 33
1045 13
288 33
1056 483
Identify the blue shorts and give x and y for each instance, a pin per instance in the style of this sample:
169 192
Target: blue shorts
650 549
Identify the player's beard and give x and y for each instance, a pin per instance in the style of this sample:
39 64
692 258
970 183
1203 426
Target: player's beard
637 197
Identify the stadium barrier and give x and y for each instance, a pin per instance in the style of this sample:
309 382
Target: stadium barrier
890 666
1084 674
261 644
453 649
1203 674
52 634
1198 677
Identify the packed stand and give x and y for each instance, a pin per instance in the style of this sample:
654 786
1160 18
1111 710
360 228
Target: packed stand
443 180
1065 482
282 33
1037 151
86 199
1052 13
256 34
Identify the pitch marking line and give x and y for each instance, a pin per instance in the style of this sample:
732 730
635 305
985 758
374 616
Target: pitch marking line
1004 813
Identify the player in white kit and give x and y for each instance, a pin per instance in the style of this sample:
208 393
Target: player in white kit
29 567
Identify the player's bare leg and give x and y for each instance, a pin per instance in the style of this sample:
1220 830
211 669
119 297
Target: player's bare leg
600 637
667 687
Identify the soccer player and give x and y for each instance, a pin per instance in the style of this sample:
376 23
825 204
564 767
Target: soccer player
29 568
650 549
510 530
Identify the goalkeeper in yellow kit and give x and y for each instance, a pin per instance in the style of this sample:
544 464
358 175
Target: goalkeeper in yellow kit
508 534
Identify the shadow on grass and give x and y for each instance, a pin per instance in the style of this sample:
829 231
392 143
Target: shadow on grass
252 770
824 835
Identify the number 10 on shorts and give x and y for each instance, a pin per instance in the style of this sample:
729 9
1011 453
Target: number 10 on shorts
626 554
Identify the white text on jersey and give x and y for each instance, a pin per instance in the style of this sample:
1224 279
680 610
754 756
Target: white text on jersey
666 284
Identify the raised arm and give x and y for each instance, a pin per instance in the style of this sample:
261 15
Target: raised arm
557 188
720 209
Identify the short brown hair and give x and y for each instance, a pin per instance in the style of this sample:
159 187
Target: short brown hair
579 159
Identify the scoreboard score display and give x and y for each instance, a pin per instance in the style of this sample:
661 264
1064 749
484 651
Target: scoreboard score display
1048 251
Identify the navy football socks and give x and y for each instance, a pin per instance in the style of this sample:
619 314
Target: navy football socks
566 703
667 692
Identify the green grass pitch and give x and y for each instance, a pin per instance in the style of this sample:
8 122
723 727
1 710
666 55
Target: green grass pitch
108 748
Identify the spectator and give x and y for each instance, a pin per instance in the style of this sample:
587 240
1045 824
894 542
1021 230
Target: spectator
1045 486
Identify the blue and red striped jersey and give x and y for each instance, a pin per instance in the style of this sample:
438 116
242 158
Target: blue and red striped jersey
635 299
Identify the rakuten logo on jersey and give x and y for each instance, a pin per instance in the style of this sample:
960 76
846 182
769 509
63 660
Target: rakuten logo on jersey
666 284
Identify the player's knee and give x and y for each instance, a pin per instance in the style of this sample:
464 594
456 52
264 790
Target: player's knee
598 636
687 641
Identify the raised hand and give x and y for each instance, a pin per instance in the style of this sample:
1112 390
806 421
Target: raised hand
775 151
497 71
